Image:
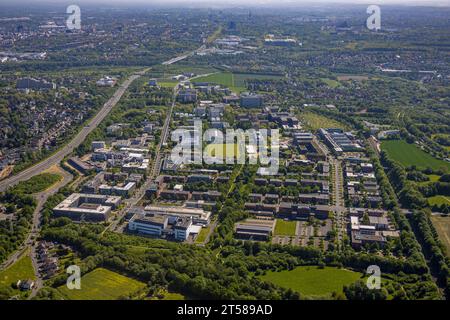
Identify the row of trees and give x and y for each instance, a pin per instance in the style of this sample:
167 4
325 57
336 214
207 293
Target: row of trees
423 227
433 247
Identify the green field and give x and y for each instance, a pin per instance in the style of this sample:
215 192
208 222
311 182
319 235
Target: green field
234 81
21 270
173 296
167 84
37 183
316 121
313 281
438 200
433 178
285 228
102 284
411 155
442 226
202 235
222 78
331 83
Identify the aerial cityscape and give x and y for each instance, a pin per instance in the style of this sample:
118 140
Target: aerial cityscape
224 151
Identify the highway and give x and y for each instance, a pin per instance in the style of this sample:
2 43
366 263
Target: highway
84 132
174 60
74 143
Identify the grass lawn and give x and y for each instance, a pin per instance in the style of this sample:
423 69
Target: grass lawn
234 81
312 281
102 284
38 183
21 270
410 155
167 84
202 235
222 150
442 226
137 250
222 78
433 178
331 83
439 200
240 78
173 296
316 121
285 228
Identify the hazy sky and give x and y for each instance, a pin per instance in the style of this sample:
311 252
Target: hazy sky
243 2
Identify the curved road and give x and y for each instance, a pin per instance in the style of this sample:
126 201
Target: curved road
74 143
41 198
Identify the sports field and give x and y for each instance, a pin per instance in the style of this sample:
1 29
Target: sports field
410 155
102 284
285 228
313 281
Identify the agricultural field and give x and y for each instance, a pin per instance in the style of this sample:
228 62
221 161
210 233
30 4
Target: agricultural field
442 226
411 155
313 281
314 121
21 270
102 284
285 228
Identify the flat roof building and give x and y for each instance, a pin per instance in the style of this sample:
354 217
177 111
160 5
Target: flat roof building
150 225
88 207
199 216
